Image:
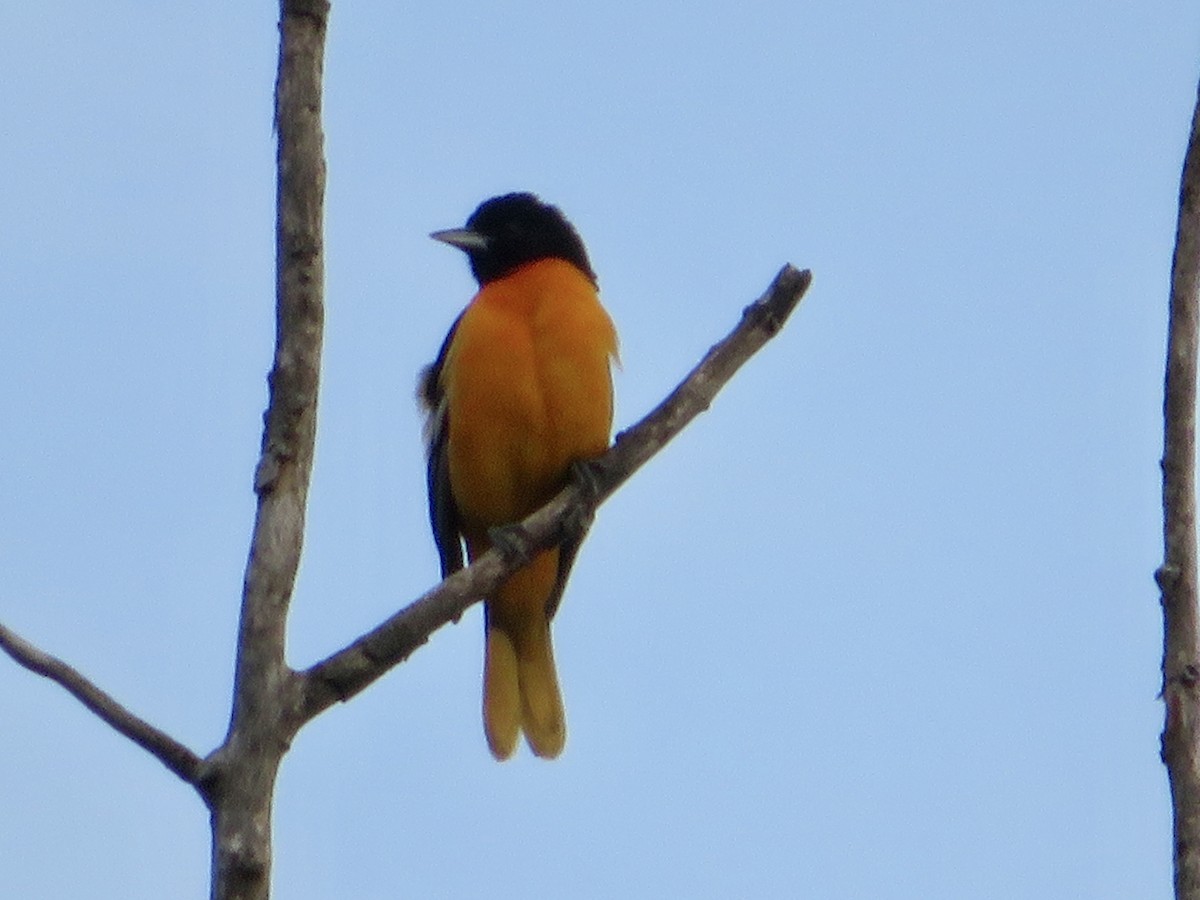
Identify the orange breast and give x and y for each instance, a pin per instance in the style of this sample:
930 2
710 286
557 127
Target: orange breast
529 390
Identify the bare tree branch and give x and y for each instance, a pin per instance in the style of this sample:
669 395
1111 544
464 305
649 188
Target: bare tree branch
370 656
240 777
172 754
1177 577
271 702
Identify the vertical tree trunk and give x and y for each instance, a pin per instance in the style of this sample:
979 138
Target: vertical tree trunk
1177 577
239 778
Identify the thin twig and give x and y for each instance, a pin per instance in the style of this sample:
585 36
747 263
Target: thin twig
1177 577
353 668
176 757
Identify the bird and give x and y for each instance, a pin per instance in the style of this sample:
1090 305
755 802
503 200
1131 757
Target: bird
520 393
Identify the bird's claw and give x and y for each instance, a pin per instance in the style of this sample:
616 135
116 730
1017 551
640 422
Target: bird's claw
512 541
586 475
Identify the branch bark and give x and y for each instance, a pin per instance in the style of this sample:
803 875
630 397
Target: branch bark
1177 577
356 666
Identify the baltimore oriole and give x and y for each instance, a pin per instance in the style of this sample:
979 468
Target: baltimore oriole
521 389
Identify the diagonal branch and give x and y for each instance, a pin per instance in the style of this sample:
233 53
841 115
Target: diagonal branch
172 754
356 666
1177 577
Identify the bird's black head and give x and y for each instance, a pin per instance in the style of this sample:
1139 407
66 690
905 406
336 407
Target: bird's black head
511 230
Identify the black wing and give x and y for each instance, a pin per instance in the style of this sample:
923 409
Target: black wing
567 551
444 517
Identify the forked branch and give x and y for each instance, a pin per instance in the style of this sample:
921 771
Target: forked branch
372 655
271 702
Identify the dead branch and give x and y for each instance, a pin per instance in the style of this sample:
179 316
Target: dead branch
1177 577
271 702
240 775
172 754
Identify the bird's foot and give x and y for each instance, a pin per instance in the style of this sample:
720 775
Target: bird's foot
588 478
512 541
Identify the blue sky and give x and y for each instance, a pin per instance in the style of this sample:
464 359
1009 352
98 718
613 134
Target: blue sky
881 623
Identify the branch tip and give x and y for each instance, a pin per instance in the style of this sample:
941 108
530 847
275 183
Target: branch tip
174 755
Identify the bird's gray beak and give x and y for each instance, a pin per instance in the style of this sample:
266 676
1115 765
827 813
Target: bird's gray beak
462 238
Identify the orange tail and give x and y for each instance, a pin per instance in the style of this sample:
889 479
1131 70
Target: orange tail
501 694
543 718
520 693
520 685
